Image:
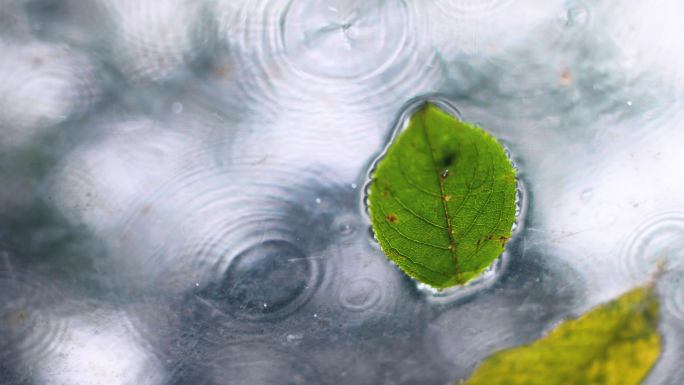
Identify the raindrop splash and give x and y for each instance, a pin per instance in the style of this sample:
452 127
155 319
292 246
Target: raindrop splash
361 293
352 40
273 278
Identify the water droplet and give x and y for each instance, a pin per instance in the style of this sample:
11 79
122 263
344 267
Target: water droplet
371 234
366 205
353 185
445 174
519 204
177 108
318 200
629 102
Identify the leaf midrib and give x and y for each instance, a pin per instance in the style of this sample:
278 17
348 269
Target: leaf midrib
452 247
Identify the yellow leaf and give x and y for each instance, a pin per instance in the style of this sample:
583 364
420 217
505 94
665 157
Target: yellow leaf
616 343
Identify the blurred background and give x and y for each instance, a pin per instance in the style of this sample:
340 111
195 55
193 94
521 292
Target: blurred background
182 183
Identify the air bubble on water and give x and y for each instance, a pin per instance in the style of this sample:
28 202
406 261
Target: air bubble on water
353 185
318 200
344 224
520 204
345 229
177 107
371 234
629 102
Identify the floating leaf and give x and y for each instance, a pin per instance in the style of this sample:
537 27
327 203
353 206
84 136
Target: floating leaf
442 200
615 343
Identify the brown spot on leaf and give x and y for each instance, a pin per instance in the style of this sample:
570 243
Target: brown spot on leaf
502 239
427 236
447 198
384 194
391 218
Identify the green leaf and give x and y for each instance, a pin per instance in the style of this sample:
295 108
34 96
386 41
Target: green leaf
442 200
615 343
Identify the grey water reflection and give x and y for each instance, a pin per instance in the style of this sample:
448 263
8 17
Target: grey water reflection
182 182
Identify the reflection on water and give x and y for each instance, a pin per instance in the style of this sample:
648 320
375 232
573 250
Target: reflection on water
183 183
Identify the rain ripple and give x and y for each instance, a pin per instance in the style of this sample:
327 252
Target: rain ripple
657 247
345 52
42 85
31 325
